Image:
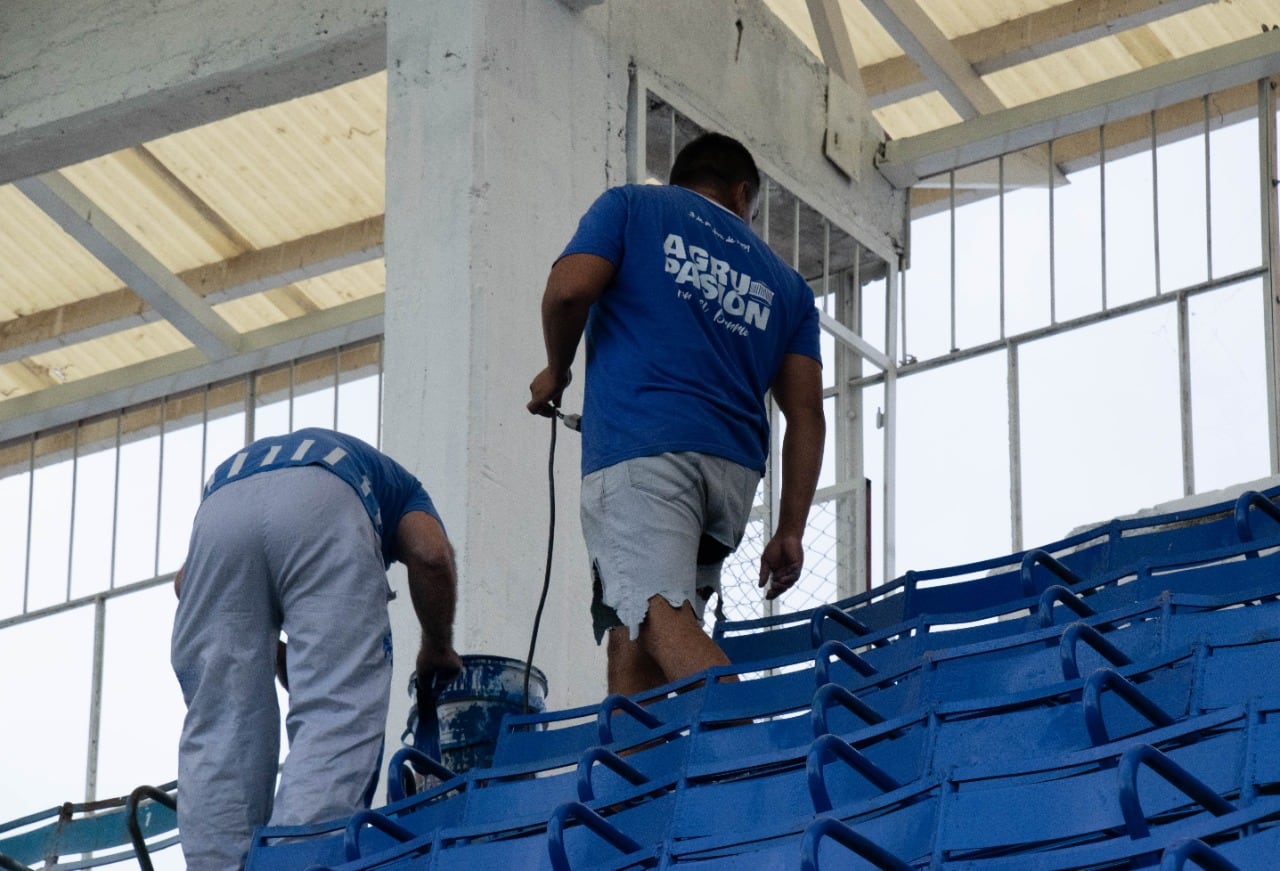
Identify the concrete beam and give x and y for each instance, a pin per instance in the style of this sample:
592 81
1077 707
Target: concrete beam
186 370
82 78
240 276
906 161
132 263
1019 40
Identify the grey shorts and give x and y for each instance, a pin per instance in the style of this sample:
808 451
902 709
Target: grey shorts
661 526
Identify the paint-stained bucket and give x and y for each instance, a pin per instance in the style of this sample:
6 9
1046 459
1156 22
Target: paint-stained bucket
471 708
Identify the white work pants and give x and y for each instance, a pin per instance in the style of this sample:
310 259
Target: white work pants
289 549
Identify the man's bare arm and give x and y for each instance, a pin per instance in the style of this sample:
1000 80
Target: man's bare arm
797 388
574 285
427 554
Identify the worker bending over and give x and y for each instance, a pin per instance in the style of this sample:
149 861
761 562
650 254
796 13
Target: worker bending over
295 533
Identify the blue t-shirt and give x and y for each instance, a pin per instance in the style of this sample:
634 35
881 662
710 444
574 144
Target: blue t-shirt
388 490
686 340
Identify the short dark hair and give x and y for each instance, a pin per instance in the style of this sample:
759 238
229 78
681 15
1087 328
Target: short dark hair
716 160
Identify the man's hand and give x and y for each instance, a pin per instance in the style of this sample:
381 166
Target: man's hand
436 667
780 564
545 391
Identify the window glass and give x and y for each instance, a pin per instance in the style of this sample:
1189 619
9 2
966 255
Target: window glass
1077 243
978 267
46 726
1131 264
1183 237
137 502
1236 199
50 531
1228 386
1100 423
953 466
14 494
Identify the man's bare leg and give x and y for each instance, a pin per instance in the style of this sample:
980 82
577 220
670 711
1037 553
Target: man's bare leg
631 670
671 645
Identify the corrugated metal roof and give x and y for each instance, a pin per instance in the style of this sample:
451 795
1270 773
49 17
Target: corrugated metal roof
215 203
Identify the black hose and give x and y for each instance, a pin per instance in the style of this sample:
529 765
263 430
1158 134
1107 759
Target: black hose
546 578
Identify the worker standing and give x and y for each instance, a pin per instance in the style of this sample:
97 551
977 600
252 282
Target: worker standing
689 320
294 534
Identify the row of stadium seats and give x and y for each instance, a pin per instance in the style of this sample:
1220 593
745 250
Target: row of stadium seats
1102 702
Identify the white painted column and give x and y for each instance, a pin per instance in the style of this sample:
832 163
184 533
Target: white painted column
499 114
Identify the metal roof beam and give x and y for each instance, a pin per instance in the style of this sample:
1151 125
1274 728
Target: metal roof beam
952 75
907 161
132 263
1019 40
833 38
186 370
946 70
240 276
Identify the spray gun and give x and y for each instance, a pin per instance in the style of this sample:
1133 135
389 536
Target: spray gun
572 421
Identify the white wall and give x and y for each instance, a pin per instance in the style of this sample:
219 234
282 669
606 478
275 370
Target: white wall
493 151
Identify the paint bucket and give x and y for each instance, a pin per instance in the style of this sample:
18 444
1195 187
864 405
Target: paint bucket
471 707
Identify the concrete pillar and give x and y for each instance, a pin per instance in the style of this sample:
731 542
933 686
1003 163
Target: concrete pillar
498 136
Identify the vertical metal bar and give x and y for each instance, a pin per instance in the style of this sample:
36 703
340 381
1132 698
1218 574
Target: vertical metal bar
795 234
902 317
1208 196
1102 206
637 127
71 532
204 438
1155 202
31 513
337 382
1000 198
1184 393
952 207
891 423
851 464
95 699
671 150
773 472
292 378
250 406
1015 447
115 503
826 267
381 381
164 414
1268 178
1053 277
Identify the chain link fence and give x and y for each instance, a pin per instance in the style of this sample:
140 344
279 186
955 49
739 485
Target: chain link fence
742 598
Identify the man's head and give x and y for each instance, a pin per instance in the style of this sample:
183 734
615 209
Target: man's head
722 168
